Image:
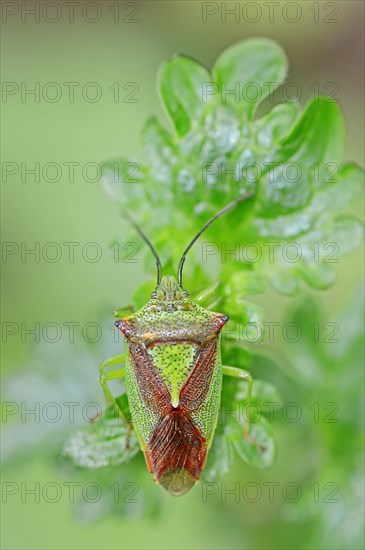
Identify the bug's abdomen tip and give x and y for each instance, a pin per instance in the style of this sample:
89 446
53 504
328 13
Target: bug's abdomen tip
177 483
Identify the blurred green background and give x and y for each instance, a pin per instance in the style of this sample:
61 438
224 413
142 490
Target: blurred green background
106 52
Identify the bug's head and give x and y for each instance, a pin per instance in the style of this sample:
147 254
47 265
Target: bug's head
169 290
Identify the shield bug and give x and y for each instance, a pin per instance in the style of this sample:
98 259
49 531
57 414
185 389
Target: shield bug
173 375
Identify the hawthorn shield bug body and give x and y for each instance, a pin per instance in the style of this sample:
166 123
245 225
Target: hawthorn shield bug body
173 374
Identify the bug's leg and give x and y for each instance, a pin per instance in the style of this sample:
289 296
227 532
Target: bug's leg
115 374
105 375
124 311
245 375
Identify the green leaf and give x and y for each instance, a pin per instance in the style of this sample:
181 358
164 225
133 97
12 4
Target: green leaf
254 68
347 233
331 197
283 281
256 446
122 180
246 319
159 151
236 392
319 276
221 133
318 135
263 396
220 457
301 163
180 84
64 382
243 283
106 442
235 354
274 126
350 183
334 238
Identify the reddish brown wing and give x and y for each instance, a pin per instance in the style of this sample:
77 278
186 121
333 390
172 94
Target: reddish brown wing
176 451
197 385
175 445
153 391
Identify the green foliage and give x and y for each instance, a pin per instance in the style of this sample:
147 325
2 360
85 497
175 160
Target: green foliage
290 158
253 443
332 373
219 151
107 442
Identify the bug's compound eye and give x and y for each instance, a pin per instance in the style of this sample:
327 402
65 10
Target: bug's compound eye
185 294
157 295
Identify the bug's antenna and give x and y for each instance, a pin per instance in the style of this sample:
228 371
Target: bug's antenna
209 222
147 241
